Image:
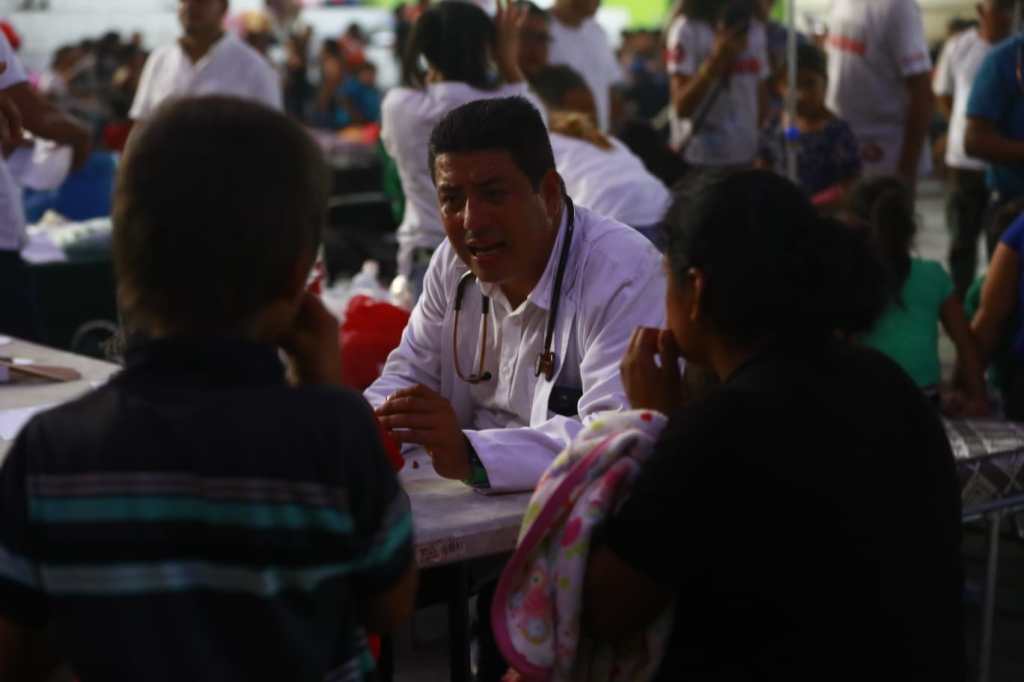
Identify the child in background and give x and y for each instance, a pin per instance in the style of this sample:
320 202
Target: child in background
197 518
922 296
827 155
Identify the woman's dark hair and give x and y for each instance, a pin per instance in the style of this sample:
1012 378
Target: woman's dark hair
553 83
774 268
510 124
456 38
206 233
884 207
812 58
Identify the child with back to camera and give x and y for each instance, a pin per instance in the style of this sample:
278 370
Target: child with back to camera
197 518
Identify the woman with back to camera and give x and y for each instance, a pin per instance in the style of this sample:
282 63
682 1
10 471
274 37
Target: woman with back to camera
456 54
804 517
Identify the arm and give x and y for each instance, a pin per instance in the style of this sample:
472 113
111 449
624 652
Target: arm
417 360
998 300
386 611
687 92
968 358
944 103
984 141
42 119
611 613
915 130
509 21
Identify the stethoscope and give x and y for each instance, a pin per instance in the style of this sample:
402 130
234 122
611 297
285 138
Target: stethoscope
546 358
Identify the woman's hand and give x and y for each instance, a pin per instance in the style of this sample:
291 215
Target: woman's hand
312 343
508 21
652 383
729 44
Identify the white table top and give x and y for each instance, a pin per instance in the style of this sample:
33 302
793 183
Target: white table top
451 521
14 396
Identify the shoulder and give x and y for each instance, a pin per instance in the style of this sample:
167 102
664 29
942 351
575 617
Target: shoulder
931 270
614 254
396 97
162 54
252 59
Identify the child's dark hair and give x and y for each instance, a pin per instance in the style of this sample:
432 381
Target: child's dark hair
884 206
457 38
812 58
219 203
553 83
774 268
510 124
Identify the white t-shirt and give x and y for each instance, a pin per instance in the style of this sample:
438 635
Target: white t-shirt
729 134
12 214
958 65
610 182
586 49
873 46
230 68
408 117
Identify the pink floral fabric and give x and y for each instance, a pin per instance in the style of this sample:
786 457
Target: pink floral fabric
536 611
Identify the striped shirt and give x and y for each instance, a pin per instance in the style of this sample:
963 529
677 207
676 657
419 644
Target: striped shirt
198 519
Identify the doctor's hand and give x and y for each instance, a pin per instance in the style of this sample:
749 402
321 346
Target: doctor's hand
421 416
650 383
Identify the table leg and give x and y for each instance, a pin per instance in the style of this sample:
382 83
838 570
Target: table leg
386 664
458 624
988 611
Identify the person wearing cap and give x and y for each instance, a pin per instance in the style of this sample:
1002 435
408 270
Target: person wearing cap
206 60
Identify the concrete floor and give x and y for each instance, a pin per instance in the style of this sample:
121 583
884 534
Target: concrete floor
421 647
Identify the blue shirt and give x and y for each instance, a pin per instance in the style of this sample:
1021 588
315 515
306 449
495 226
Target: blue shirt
997 96
1014 239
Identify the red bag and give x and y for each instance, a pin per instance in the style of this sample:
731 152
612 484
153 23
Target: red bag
372 329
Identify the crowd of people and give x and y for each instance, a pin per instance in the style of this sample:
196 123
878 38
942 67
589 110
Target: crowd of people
669 230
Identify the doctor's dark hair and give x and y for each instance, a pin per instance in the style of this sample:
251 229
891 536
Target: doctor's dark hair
774 268
510 124
457 38
206 233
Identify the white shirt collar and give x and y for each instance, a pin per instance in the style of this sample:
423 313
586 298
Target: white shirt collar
219 46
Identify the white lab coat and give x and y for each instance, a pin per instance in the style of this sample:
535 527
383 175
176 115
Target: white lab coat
613 283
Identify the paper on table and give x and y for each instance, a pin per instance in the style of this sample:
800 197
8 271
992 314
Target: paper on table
12 420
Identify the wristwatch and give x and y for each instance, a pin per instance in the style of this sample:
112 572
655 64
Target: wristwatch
477 472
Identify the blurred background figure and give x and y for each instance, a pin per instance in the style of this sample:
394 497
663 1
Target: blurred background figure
577 40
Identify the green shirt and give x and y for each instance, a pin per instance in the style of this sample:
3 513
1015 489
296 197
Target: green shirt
909 333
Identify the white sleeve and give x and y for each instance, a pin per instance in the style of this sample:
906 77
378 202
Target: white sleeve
142 105
942 80
13 72
905 41
417 360
683 56
516 458
268 88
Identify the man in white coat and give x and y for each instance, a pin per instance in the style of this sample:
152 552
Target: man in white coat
526 312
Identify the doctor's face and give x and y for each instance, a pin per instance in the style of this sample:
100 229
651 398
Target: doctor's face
499 225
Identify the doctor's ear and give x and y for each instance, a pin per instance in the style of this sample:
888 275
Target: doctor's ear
551 194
